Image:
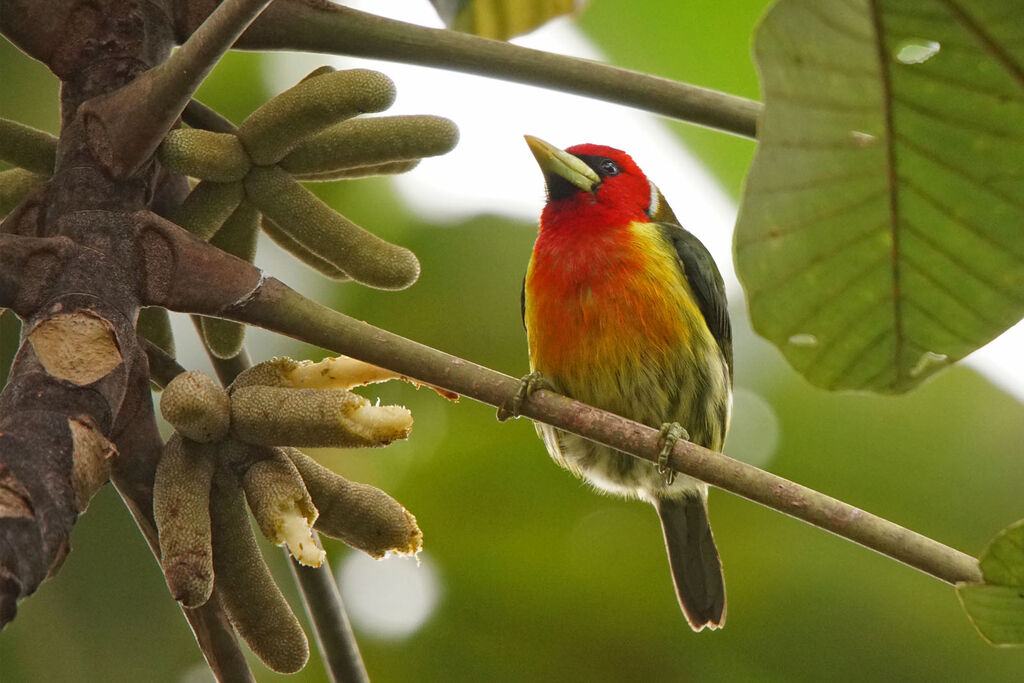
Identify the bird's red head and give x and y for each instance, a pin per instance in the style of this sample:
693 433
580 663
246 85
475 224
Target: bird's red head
593 187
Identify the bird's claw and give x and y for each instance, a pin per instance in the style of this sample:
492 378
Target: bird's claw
668 435
527 385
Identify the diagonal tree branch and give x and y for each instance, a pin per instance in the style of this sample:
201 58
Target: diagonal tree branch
276 307
320 26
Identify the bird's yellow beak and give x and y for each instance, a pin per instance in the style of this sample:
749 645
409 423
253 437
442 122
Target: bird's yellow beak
555 161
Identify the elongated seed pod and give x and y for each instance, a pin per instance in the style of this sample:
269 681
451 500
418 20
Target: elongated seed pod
15 185
365 141
245 587
274 129
292 246
155 325
274 416
181 506
390 168
30 148
238 237
362 516
269 373
204 154
365 257
282 506
319 71
197 407
207 207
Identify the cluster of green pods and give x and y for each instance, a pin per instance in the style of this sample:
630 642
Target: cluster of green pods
235 448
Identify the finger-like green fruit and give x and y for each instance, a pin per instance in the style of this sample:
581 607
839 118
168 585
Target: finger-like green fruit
390 168
362 516
282 506
274 416
367 141
181 506
31 149
238 237
197 407
15 185
365 257
155 325
293 247
245 587
204 154
308 107
207 207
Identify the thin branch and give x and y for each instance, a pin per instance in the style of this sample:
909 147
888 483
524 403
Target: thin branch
276 307
318 26
334 636
128 125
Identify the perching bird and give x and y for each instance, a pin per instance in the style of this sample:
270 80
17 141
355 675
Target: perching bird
626 311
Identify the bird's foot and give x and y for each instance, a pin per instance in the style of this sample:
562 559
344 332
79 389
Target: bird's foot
527 385
668 435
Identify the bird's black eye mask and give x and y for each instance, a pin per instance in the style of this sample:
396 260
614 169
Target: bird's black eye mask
559 188
603 166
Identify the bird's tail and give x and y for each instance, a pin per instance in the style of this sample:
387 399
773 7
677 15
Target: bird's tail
693 558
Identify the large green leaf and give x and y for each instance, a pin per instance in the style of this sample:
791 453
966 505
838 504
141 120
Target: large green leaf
881 232
996 607
501 19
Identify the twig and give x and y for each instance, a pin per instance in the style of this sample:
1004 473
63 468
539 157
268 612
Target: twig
317 26
334 635
276 307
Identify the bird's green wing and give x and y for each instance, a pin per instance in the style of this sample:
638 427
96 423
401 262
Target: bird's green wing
522 303
705 282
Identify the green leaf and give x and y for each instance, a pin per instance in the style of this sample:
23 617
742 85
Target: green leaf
1002 562
501 19
996 607
996 611
879 232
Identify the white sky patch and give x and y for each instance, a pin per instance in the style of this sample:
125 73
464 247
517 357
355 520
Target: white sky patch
389 598
1001 361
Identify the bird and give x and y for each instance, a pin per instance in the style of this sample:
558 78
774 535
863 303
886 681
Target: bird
625 310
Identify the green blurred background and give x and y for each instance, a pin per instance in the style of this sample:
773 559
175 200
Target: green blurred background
539 578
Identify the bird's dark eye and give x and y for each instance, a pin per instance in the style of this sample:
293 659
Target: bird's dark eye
608 168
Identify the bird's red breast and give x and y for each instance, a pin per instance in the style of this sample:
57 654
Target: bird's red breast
604 288
597 296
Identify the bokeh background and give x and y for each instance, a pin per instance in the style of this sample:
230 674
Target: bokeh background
527 575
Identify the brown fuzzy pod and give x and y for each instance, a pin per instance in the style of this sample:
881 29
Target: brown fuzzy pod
275 416
197 407
245 587
362 516
282 507
181 506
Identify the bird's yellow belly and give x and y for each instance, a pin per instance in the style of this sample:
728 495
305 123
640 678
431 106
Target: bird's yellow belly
632 342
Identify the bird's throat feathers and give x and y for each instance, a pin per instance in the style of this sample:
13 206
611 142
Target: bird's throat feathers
598 296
